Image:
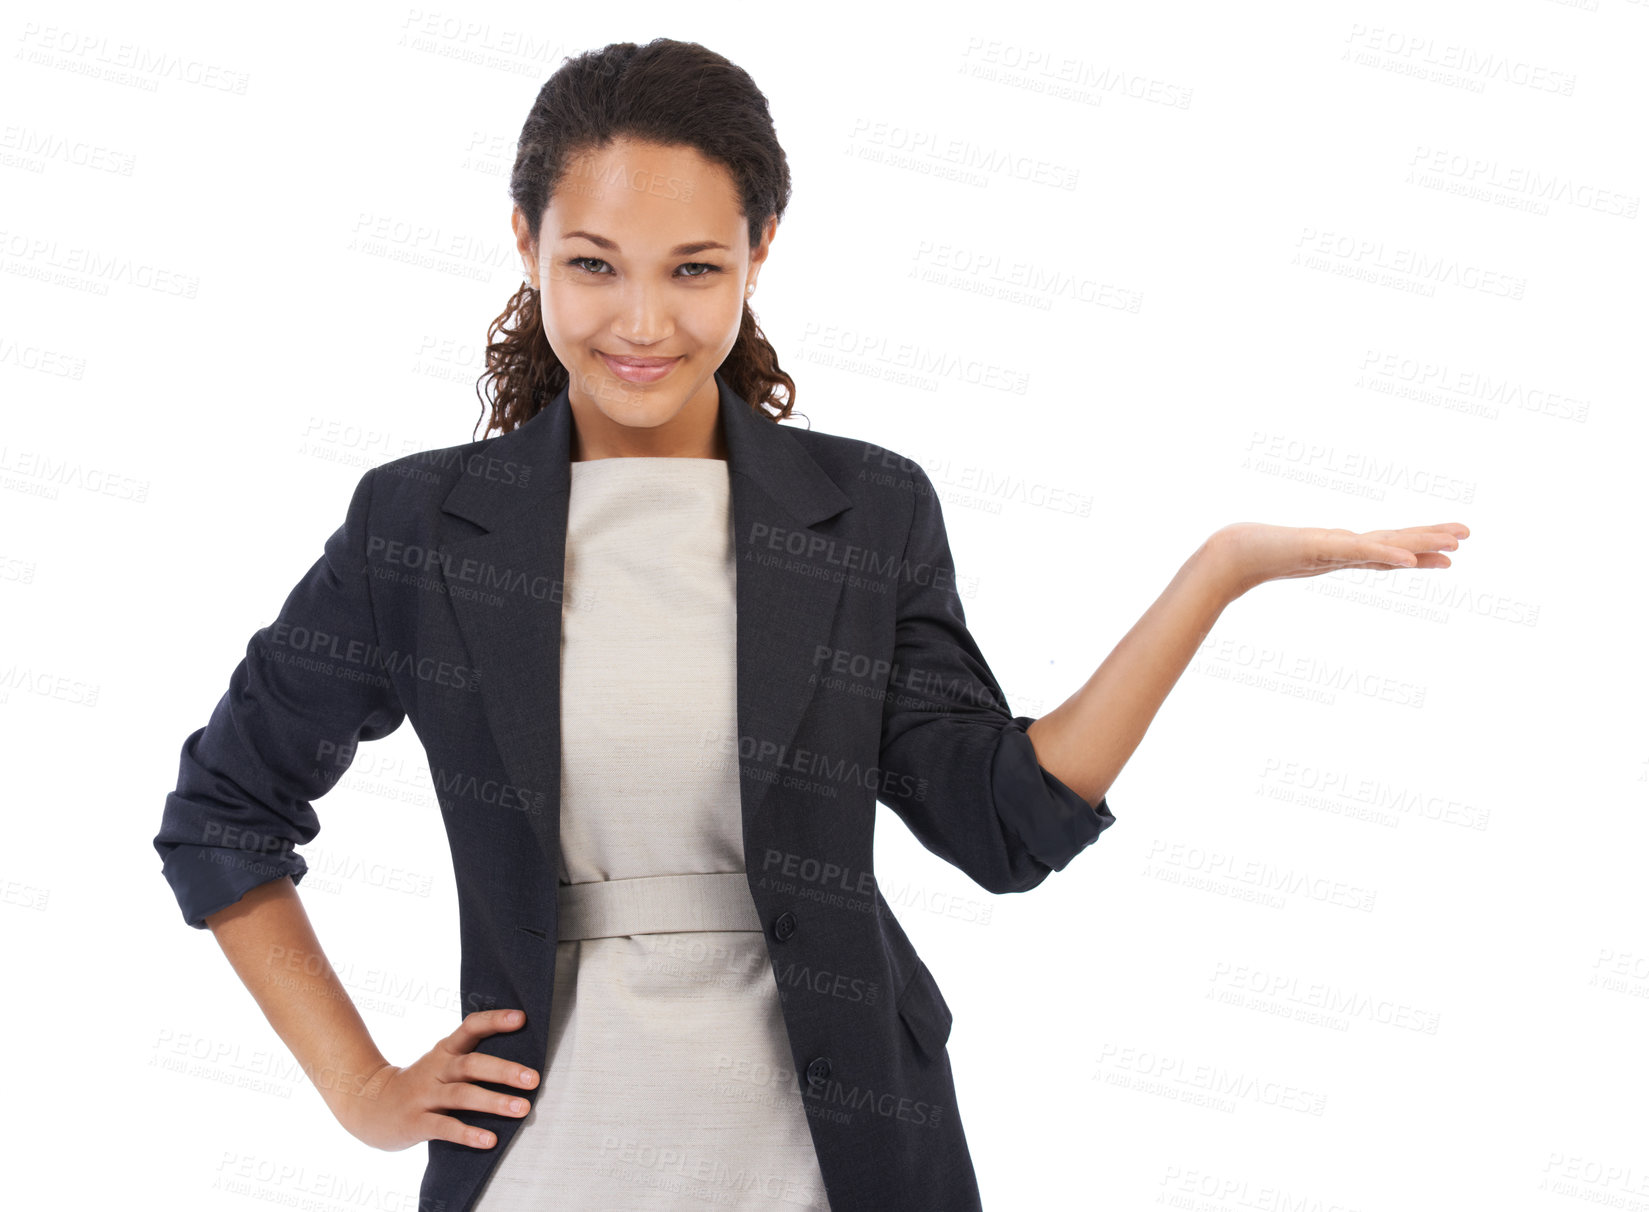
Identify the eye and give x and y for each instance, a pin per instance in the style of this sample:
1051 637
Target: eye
580 264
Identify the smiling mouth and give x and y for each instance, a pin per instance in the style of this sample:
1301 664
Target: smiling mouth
641 371
638 363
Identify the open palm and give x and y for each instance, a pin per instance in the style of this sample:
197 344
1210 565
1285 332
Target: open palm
1256 552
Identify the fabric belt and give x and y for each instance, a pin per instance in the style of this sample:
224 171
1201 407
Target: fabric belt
655 904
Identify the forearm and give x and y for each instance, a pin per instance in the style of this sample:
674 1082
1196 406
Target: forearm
272 946
1086 740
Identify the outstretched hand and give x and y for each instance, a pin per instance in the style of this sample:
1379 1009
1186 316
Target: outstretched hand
1254 553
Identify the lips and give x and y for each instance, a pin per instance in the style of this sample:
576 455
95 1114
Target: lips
640 370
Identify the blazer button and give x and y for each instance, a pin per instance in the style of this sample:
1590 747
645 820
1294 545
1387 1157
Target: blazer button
784 925
818 1069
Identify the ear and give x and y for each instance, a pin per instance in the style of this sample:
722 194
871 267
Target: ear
525 245
769 230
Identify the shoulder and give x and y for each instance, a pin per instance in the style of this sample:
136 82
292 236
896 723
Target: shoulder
405 494
433 472
880 470
878 478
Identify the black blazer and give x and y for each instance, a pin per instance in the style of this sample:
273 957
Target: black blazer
439 599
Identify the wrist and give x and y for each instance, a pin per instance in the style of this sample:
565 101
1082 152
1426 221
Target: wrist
345 1090
1216 564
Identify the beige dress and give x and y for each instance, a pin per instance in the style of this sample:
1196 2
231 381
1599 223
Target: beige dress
669 1081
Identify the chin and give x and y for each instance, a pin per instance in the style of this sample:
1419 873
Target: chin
634 404
646 418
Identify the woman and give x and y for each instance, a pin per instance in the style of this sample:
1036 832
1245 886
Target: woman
737 1016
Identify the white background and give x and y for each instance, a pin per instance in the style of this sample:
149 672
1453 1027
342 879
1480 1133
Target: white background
1370 929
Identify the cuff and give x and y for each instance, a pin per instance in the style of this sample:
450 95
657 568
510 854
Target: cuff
208 878
1052 822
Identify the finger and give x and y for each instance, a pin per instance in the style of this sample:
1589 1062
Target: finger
466 1096
433 1126
1414 540
1424 559
1453 531
481 1024
1427 559
1381 553
1441 533
1434 538
485 1067
1374 546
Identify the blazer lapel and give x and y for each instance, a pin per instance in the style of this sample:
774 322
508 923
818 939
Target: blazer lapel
507 589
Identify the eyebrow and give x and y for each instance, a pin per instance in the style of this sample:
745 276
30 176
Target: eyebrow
680 250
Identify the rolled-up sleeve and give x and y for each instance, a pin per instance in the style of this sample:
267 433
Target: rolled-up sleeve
311 687
957 766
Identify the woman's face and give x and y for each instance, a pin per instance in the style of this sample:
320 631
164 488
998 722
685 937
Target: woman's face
641 265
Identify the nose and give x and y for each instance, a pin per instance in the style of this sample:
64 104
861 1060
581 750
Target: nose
643 316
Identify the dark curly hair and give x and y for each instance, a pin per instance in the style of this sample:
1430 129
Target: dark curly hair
666 92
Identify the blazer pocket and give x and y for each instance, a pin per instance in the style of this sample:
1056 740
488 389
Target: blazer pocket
925 1013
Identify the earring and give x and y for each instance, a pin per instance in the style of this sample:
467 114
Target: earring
749 290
